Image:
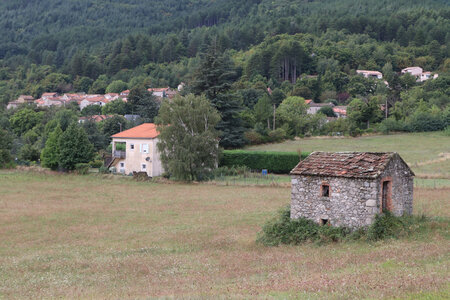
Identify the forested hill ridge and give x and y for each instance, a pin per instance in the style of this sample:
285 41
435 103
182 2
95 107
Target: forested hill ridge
83 46
273 69
54 30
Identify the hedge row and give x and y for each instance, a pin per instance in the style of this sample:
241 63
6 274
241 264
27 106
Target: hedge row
274 162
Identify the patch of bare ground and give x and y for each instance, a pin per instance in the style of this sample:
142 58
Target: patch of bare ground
92 237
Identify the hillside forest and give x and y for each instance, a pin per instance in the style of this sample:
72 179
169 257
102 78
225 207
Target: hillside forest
256 61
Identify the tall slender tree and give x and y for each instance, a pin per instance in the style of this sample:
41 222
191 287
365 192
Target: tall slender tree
188 139
214 78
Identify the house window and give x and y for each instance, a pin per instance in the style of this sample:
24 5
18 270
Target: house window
325 190
132 146
122 165
144 167
144 148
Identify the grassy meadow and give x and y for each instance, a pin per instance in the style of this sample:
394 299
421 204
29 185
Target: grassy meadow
67 236
428 154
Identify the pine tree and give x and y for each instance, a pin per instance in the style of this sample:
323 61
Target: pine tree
214 78
231 126
214 75
50 153
143 103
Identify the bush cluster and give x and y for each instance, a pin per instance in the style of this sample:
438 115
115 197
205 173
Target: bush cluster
82 168
255 137
284 230
275 162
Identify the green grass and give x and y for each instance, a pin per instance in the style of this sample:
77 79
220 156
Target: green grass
66 236
415 148
252 179
432 183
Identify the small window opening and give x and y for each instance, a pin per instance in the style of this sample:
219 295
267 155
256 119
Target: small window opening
132 146
325 190
122 165
324 222
385 195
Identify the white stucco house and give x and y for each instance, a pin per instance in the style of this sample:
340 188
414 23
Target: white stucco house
420 75
370 74
135 150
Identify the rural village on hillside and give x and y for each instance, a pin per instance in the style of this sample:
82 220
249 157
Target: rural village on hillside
225 149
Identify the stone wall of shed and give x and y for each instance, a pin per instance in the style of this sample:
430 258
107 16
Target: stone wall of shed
352 202
402 187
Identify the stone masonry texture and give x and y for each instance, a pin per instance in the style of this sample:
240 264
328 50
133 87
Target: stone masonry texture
351 201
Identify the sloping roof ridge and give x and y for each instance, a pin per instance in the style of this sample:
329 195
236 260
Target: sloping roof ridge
349 152
343 164
144 130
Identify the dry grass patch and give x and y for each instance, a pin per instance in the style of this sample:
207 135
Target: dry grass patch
88 237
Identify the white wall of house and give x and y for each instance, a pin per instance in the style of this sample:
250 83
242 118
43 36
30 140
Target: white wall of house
142 155
313 110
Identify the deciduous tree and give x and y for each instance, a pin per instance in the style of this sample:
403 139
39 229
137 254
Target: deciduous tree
188 141
74 147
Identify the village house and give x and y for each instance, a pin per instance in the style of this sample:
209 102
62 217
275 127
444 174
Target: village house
340 111
135 150
418 72
23 99
161 93
93 100
350 188
94 118
370 74
314 107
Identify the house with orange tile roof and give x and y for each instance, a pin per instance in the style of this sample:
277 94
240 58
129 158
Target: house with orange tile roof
135 150
340 111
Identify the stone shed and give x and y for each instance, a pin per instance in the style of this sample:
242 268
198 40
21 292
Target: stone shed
350 188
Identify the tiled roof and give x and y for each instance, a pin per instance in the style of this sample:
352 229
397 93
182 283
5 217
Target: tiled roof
314 104
340 110
26 97
49 94
143 131
308 101
344 164
158 89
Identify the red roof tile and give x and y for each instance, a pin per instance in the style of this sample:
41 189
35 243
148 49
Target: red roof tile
143 131
345 164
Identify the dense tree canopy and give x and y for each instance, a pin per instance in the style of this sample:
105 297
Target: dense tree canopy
249 58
